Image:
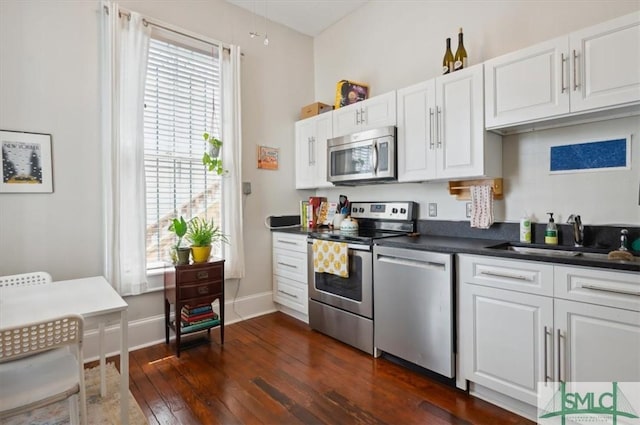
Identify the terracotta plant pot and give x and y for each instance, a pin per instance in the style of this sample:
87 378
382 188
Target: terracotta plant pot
200 254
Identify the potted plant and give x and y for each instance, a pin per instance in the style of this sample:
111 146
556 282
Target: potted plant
212 158
180 255
202 233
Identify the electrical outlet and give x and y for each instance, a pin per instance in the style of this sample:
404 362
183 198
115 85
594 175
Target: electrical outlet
433 210
468 209
246 188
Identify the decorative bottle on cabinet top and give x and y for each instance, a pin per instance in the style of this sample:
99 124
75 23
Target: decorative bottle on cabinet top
447 61
460 59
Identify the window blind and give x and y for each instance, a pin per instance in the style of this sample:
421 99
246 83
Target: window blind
182 101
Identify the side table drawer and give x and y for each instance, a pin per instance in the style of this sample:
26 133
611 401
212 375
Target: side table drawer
202 290
200 274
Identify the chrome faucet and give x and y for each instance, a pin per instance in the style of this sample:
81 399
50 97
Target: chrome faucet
623 240
578 229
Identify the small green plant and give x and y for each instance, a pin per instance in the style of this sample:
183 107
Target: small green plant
203 232
212 158
179 227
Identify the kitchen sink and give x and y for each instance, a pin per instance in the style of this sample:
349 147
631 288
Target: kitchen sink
556 252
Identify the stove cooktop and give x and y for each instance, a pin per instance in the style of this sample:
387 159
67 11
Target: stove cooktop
365 236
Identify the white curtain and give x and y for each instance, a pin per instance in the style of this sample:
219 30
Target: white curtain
232 159
126 45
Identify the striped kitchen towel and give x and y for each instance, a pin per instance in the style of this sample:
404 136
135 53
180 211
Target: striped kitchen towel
481 206
331 257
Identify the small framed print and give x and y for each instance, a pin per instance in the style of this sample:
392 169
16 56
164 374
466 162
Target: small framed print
26 162
267 158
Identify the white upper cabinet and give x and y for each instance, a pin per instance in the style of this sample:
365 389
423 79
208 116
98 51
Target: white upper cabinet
416 128
441 131
526 85
379 111
591 70
311 151
605 64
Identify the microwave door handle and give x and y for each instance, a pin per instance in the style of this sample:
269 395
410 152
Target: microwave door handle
374 157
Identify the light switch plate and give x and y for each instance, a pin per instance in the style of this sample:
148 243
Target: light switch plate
246 188
433 209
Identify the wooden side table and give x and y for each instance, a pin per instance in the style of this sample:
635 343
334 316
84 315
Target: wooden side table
192 284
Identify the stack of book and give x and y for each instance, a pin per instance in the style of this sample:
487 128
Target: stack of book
201 316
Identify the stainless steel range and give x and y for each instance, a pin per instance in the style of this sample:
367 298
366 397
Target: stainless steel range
343 307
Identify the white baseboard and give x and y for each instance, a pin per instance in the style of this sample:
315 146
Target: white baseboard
516 406
150 330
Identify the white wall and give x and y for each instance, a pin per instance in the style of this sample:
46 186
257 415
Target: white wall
49 82
393 44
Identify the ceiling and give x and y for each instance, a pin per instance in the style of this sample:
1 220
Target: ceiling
309 17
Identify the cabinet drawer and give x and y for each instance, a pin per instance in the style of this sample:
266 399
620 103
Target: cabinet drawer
290 242
290 264
516 275
291 294
202 290
199 274
609 288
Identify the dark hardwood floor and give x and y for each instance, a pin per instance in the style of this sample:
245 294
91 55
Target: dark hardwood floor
275 370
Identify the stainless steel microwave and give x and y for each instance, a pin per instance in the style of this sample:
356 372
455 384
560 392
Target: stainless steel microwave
363 157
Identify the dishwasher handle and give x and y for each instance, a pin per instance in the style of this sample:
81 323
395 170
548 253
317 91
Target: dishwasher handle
412 262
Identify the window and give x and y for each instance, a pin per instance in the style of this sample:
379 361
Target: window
182 101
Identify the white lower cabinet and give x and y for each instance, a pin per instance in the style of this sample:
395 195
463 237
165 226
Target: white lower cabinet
290 273
514 336
596 343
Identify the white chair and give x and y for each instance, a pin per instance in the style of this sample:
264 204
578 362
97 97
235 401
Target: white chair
25 279
38 367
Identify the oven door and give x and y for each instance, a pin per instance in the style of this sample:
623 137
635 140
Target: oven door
354 293
363 160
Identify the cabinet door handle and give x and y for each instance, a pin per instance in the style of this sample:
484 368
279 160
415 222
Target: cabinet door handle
562 59
559 352
546 353
202 275
575 72
506 275
616 291
203 290
309 150
358 117
440 124
288 293
313 150
287 242
431 142
287 265
363 118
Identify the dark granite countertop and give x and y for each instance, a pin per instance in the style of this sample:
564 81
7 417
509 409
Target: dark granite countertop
457 238
460 245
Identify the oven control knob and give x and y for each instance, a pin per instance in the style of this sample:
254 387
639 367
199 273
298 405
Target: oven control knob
394 210
403 211
361 209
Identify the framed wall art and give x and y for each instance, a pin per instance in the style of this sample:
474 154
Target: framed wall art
26 162
267 158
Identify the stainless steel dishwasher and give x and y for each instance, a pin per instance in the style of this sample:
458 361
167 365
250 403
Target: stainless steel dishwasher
413 307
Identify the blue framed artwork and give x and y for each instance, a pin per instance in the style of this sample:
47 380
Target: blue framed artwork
600 155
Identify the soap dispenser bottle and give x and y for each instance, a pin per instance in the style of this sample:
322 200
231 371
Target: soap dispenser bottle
525 229
551 234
